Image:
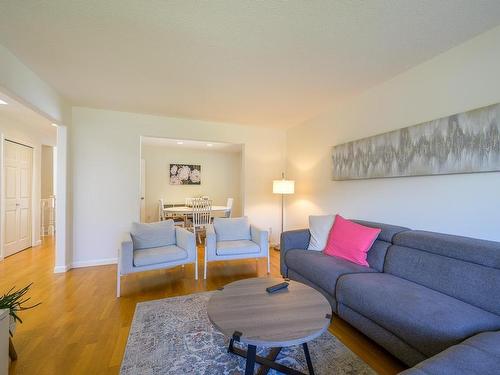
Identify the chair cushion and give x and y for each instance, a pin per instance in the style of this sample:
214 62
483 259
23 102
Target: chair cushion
321 269
479 354
427 320
232 229
155 255
238 247
145 236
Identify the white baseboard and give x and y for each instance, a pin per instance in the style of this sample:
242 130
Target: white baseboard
36 243
94 262
62 269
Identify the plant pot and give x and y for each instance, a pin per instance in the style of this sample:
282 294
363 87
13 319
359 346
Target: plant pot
12 325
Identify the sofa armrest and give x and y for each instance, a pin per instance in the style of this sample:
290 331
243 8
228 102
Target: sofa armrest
261 238
292 239
210 241
126 255
186 240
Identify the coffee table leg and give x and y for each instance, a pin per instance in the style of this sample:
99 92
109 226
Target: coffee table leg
251 353
308 359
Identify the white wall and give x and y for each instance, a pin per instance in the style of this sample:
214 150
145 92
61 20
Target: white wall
220 177
34 136
105 164
17 80
463 78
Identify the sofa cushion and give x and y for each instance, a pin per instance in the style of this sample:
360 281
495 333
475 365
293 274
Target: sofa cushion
427 320
350 241
376 255
237 247
321 269
387 231
461 267
478 355
390 342
155 255
232 229
148 235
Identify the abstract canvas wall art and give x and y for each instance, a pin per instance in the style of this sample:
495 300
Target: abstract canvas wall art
463 143
185 174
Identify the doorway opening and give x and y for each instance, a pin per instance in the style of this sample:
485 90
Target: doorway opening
174 171
28 180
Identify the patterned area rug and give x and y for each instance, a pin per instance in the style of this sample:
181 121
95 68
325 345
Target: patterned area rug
174 336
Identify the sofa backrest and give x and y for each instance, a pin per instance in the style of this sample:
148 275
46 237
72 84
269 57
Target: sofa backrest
465 268
376 255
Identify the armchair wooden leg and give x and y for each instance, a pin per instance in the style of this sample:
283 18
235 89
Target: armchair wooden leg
268 264
196 269
205 266
118 277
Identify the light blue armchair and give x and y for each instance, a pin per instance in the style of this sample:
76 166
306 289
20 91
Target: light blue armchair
235 238
156 246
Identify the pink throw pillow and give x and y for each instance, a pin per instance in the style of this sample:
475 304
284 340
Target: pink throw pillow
350 241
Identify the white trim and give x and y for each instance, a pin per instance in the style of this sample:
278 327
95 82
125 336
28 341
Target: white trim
62 256
36 243
94 262
62 269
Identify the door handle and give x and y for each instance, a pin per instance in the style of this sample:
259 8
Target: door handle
142 198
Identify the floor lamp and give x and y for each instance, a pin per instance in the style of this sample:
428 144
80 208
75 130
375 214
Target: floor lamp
283 187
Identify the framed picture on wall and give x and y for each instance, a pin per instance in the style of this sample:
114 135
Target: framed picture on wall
185 174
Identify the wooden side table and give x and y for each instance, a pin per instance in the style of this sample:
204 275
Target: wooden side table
246 313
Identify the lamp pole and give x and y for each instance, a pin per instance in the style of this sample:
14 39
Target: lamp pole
283 187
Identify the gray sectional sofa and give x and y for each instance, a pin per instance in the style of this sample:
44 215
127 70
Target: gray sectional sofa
430 299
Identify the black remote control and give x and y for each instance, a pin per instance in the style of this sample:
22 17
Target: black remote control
277 287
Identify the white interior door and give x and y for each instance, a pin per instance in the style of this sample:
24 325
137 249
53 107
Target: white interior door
18 164
143 191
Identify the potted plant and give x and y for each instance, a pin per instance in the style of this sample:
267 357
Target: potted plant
15 301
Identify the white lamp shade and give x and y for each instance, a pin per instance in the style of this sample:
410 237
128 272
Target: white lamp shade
283 187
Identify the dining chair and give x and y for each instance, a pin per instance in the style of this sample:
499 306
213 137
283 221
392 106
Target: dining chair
161 212
163 215
229 205
201 215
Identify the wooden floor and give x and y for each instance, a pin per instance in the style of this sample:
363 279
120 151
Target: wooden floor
82 328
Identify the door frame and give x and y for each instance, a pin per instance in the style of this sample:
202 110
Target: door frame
61 239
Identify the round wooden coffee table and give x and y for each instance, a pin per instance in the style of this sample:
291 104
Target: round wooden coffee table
246 313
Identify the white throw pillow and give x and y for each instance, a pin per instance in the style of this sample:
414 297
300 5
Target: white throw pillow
319 227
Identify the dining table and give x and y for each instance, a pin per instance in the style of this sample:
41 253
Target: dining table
185 210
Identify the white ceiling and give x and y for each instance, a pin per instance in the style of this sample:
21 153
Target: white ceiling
190 144
270 63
